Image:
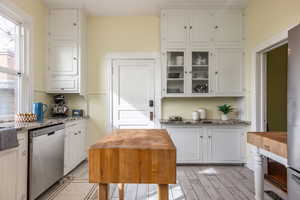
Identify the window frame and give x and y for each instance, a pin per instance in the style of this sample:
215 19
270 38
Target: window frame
25 80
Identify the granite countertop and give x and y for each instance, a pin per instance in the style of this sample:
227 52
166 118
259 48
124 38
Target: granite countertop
34 125
207 122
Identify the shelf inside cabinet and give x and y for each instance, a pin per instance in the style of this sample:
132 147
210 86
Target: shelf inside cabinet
200 66
175 79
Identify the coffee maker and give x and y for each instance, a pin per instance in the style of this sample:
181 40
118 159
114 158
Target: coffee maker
59 109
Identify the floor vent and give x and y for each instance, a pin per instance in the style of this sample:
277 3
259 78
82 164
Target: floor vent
273 195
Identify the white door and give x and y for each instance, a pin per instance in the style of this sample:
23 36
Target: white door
63 24
228 28
63 58
229 72
174 32
133 94
188 142
201 28
225 145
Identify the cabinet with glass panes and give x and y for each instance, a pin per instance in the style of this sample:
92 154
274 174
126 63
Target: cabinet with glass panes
200 72
175 72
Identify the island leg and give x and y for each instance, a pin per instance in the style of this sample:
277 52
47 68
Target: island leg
121 191
258 175
103 192
163 191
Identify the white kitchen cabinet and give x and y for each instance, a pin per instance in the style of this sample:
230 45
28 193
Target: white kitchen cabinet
201 30
229 72
211 39
13 171
63 58
22 166
218 145
189 143
228 28
67 84
75 145
174 28
63 24
66 51
226 145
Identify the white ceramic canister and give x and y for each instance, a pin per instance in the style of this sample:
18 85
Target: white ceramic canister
196 116
202 112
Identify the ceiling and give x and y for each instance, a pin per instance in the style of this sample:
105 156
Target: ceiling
138 7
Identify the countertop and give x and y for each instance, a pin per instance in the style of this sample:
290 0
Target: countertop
34 125
207 122
275 142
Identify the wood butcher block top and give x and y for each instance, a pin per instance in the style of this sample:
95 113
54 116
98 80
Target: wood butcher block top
133 156
275 142
136 139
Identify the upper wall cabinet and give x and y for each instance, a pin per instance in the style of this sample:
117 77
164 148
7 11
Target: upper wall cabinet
198 28
175 28
66 68
63 24
201 49
228 28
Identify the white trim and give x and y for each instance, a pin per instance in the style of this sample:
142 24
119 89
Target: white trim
10 10
257 96
133 55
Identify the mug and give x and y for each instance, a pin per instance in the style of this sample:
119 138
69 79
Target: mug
39 109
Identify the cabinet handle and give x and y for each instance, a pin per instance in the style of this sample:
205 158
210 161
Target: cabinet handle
216 72
216 27
185 27
201 137
62 88
79 132
74 24
191 27
190 72
74 58
185 72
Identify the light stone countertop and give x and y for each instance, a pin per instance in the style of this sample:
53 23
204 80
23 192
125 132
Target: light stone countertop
34 125
207 122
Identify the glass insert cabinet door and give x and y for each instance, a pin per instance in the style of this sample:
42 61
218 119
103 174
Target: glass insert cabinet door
200 72
175 72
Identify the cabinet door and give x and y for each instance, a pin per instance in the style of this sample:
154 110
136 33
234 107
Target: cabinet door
8 174
229 72
228 28
63 24
187 142
63 58
200 73
226 145
174 29
176 73
63 84
22 169
200 28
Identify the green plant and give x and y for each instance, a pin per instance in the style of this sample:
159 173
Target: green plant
225 109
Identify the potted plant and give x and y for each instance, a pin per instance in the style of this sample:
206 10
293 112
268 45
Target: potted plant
225 109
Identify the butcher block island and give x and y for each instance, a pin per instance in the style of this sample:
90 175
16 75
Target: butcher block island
141 156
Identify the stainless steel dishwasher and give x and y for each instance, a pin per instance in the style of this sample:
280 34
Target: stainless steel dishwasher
46 158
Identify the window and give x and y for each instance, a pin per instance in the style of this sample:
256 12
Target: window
11 69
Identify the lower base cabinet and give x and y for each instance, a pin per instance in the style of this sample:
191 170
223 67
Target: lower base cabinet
209 144
75 145
13 171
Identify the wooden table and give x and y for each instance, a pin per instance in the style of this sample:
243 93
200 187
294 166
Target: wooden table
267 144
133 156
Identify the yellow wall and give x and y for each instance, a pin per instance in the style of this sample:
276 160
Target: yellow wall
264 20
38 11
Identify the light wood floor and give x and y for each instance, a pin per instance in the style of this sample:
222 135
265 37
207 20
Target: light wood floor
194 183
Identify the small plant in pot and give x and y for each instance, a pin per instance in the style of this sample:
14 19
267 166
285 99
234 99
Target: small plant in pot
225 109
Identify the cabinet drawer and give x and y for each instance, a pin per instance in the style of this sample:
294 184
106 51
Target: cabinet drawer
63 84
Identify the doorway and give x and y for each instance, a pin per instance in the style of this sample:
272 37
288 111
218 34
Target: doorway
133 93
276 106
